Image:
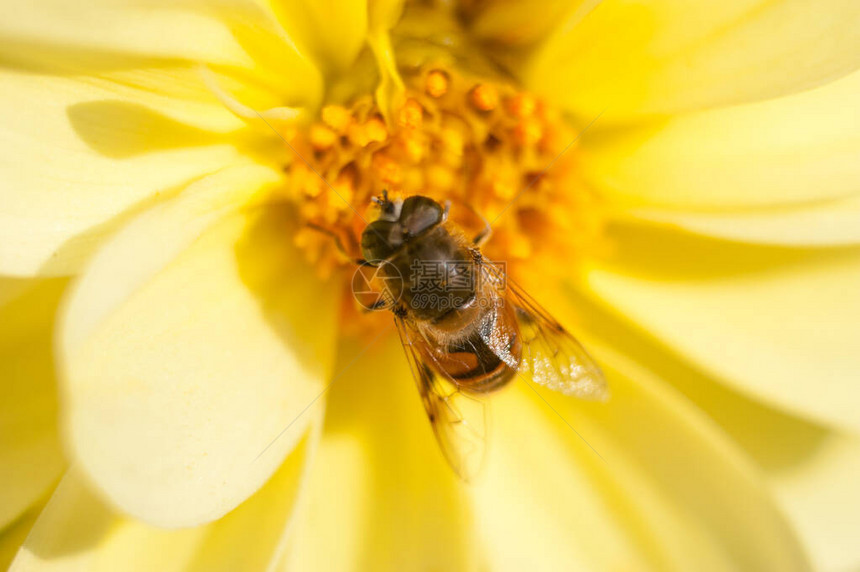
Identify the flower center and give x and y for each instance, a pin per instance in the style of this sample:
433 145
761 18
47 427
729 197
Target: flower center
497 153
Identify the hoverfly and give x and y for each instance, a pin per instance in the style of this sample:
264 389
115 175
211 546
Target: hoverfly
470 332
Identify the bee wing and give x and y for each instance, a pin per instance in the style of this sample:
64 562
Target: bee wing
459 420
550 353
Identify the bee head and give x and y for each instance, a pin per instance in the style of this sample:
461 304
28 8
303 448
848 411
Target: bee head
399 222
389 210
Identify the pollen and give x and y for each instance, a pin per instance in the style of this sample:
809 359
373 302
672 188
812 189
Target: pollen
499 155
484 97
375 130
322 138
336 117
371 131
522 105
436 84
411 114
528 133
387 169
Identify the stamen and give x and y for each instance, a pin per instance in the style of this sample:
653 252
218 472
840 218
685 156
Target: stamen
436 84
480 143
522 105
322 138
411 114
528 133
484 97
336 117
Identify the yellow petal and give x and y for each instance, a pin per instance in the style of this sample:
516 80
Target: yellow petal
775 324
671 55
276 61
811 471
192 31
78 531
384 14
672 494
127 111
11 288
332 509
644 482
820 497
793 150
255 61
330 32
79 155
832 223
30 457
185 352
518 23
12 537
381 496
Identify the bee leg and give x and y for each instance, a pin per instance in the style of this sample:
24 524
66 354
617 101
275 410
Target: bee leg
339 244
445 211
482 237
380 304
384 303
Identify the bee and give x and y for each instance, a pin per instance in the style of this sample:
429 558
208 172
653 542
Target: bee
470 330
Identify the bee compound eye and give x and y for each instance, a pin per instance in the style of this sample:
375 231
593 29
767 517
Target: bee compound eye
419 214
381 239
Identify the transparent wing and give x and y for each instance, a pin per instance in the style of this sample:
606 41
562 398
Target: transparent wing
553 357
459 420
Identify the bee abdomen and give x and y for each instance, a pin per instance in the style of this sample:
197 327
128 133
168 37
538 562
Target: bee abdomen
481 381
476 367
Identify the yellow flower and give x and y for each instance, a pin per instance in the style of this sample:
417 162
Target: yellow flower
676 181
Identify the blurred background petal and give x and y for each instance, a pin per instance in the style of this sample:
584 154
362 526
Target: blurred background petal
104 540
790 151
644 482
819 224
81 156
185 352
381 495
31 460
775 323
637 58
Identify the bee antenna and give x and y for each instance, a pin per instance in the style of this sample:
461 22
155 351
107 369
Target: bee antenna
384 202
